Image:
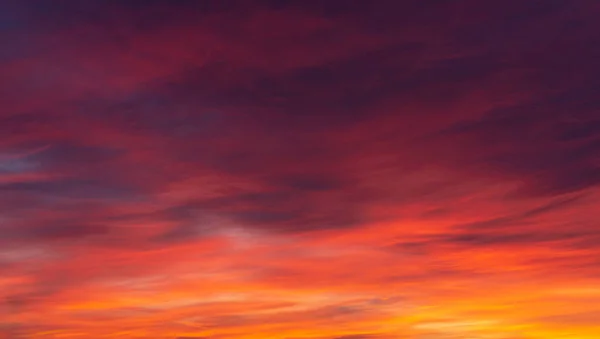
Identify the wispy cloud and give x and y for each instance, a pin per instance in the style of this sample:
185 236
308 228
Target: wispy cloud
294 169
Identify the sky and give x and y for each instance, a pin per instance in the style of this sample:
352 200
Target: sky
300 169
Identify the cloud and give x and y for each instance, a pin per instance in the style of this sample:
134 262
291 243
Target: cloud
525 216
224 170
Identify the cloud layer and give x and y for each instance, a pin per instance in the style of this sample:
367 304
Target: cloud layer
300 169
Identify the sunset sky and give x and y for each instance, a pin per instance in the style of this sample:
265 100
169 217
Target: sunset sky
300 169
